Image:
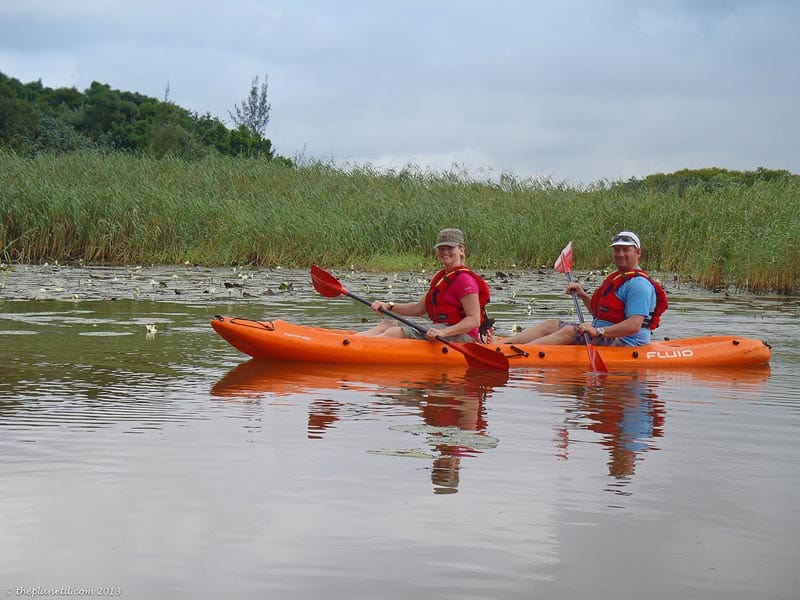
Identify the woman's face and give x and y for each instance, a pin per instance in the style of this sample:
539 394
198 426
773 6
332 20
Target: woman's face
451 256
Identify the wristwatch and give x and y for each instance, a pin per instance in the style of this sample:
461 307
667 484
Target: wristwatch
391 305
600 332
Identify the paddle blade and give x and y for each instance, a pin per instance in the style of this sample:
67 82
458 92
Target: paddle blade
325 283
595 361
481 357
564 260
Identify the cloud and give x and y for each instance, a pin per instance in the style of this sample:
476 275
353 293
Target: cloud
579 90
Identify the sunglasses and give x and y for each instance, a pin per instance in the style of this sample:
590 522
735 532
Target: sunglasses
625 239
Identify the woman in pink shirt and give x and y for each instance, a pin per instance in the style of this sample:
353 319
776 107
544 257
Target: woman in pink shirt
455 301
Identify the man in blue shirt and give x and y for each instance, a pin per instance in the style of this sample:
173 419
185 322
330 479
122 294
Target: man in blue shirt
626 306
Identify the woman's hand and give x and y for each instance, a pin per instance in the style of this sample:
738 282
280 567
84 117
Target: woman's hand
377 306
433 332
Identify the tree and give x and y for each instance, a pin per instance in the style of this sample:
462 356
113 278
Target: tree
212 132
35 118
253 112
245 143
19 122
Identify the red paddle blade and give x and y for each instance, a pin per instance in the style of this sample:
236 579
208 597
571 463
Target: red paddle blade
595 361
481 357
564 260
325 283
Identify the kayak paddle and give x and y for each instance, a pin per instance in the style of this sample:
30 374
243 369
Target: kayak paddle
564 265
477 356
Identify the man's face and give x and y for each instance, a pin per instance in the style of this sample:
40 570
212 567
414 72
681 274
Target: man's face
626 257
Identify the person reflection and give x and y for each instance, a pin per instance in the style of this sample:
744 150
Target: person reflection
628 423
465 410
322 414
626 412
450 403
454 417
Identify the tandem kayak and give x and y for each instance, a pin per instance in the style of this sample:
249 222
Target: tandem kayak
285 341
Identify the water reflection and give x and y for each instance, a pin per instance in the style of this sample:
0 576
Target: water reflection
450 402
322 414
454 419
284 487
625 411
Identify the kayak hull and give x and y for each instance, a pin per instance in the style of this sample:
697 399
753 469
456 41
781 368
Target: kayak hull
285 341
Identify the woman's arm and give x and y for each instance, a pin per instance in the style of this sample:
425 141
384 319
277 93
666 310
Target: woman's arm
407 309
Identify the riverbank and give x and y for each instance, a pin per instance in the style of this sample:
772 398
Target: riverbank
518 292
116 209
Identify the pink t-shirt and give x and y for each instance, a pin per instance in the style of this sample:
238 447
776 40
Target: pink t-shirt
461 286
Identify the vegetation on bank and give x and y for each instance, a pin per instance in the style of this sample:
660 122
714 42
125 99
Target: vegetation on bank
35 118
741 229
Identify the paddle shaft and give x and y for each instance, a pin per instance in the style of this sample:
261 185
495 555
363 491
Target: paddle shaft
396 317
595 361
577 306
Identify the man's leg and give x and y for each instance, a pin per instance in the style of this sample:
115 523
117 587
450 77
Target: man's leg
533 333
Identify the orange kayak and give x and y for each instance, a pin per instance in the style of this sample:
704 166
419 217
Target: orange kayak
284 341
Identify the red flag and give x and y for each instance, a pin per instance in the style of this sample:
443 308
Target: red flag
564 260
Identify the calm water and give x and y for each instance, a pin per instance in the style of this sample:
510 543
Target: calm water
168 465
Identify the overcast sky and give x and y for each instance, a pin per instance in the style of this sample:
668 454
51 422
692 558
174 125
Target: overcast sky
573 90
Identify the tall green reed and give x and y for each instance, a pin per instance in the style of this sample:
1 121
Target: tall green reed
118 208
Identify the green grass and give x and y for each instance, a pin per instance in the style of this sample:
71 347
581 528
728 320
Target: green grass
121 209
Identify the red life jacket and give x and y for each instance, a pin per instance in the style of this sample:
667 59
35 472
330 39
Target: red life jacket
608 307
439 311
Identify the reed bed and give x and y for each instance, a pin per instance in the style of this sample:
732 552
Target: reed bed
114 208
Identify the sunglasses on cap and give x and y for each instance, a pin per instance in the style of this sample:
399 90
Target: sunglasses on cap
623 238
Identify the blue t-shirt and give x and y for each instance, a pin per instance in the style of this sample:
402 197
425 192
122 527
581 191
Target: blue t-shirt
639 297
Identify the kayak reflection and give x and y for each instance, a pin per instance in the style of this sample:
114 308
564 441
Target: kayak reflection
450 402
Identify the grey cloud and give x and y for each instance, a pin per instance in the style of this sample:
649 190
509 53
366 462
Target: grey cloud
580 90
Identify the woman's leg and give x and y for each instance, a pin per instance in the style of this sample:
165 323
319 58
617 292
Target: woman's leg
393 332
380 328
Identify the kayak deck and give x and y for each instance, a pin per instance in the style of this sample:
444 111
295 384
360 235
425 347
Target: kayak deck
285 341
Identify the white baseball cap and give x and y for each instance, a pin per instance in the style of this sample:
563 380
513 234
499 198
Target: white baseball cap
626 238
